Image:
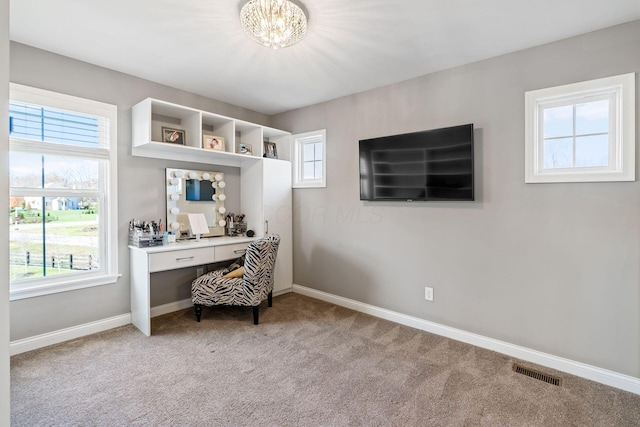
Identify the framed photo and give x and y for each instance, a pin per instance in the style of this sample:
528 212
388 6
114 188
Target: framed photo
246 149
270 150
212 142
173 136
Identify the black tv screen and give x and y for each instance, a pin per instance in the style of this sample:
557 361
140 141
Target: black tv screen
199 191
430 165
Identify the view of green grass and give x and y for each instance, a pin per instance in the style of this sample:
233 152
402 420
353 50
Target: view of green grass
61 216
89 229
65 232
31 272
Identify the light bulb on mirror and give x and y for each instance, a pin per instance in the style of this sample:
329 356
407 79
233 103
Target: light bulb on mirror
174 181
214 197
214 184
193 175
175 211
222 184
178 174
218 177
222 209
206 176
175 197
222 197
222 223
175 225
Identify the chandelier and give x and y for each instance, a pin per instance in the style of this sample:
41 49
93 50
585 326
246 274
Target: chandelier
273 23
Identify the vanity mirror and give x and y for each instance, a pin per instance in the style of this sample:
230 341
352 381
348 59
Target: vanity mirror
195 192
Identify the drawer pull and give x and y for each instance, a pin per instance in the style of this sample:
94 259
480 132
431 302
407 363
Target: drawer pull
239 251
187 258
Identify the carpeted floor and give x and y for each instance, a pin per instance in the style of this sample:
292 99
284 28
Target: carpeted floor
308 363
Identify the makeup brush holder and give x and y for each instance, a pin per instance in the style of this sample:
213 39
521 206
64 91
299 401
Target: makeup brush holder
237 229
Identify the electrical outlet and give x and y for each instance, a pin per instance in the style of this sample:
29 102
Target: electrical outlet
199 271
428 294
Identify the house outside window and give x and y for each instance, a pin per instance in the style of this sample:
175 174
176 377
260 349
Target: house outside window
62 187
309 159
581 132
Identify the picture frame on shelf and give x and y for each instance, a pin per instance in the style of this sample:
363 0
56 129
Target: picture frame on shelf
270 150
173 136
212 142
245 149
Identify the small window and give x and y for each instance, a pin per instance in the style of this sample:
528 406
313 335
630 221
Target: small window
62 188
309 163
581 132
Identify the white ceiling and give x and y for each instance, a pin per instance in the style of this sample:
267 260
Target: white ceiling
351 45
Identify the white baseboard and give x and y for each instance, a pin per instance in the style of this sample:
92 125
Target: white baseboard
50 338
56 337
282 292
593 373
159 310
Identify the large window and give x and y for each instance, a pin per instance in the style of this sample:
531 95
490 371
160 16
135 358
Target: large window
582 132
62 182
309 162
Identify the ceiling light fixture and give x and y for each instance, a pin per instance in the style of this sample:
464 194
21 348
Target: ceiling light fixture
273 23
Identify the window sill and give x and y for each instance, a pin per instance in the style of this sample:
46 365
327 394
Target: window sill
37 290
315 184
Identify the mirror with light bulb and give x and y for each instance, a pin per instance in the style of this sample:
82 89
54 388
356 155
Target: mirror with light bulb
195 192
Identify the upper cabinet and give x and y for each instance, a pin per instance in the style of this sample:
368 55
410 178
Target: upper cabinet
169 131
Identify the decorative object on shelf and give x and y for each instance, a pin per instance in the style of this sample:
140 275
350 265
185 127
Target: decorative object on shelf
173 136
245 149
273 23
251 233
212 142
270 150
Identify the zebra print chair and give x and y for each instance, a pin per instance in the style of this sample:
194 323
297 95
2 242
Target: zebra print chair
251 289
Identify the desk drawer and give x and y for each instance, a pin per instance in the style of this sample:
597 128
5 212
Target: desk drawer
178 259
230 251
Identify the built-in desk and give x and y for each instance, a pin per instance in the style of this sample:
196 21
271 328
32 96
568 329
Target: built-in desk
145 261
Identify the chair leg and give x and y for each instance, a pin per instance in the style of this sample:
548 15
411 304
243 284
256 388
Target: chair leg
255 314
270 299
198 308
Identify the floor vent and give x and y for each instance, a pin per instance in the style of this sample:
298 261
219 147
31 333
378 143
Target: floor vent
537 375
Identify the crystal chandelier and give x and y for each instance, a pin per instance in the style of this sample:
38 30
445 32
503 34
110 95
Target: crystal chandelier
273 23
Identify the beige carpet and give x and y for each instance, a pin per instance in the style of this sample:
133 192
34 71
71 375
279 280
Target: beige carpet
308 363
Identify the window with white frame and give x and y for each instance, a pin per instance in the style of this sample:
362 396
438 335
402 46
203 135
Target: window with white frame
309 159
581 132
62 189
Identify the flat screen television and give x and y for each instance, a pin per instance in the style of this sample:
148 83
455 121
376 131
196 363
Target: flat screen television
199 191
430 165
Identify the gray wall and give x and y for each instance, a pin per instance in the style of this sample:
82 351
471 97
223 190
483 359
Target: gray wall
140 181
4 207
551 267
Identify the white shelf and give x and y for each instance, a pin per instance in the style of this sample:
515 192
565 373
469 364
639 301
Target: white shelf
151 115
265 183
161 150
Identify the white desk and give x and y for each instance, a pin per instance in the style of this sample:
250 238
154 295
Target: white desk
145 261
